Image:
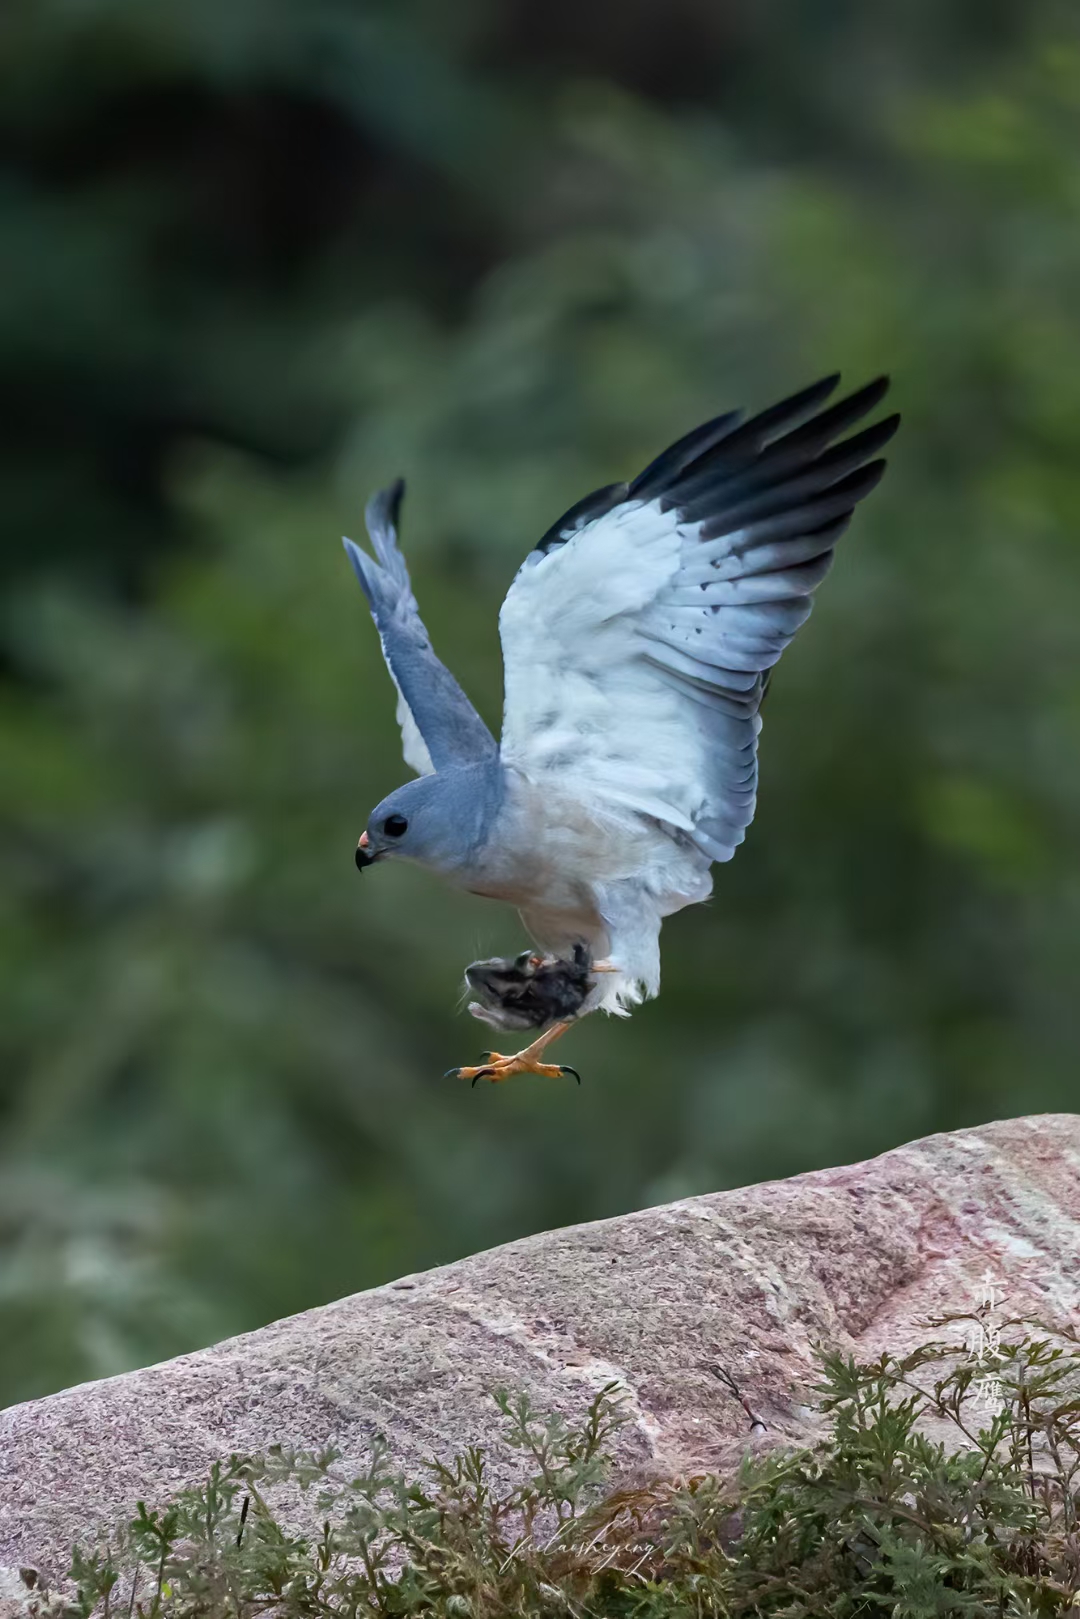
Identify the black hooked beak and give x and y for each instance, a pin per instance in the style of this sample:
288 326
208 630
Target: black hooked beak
363 858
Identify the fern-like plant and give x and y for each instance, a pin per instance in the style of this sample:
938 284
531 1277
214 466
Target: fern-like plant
887 1515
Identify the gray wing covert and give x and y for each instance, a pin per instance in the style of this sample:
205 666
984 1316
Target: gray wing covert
439 726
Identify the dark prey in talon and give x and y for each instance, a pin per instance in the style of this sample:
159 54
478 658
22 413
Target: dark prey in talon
638 638
530 991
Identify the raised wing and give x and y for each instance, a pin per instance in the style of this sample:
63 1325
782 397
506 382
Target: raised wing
638 636
439 725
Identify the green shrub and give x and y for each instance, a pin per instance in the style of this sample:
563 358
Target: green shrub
887 1513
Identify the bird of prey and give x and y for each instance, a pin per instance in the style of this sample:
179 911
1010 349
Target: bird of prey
638 638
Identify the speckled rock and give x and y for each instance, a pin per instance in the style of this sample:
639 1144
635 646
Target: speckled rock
707 1310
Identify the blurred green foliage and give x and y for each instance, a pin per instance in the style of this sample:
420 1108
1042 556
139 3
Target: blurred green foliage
259 259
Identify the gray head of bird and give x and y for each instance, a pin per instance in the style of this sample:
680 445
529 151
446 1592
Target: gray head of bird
441 821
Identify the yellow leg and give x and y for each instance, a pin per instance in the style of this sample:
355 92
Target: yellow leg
498 1067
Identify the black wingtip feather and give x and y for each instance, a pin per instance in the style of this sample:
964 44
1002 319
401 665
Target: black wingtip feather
857 485
795 405
747 442
829 424
682 452
596 504
784 460
384 508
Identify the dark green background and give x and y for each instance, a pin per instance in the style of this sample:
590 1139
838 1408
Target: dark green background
259 256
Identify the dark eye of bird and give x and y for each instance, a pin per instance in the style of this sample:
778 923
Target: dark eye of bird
395 825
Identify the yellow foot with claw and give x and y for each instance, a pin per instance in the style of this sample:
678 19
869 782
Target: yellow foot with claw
497 1068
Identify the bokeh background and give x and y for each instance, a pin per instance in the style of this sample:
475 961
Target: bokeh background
259 256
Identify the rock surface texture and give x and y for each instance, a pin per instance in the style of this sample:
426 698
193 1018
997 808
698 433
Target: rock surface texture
678 1302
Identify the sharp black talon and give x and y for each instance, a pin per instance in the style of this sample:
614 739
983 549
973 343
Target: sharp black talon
484 1072
564 1068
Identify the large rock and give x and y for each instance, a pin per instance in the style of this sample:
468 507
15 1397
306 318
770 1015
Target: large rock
674 1301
